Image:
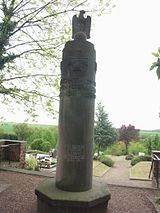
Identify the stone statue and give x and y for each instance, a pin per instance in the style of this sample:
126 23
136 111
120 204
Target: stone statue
81 25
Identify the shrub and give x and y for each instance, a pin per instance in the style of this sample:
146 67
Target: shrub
136 147
8 136
46 146
116 149
138 159
37 144
152 143
106 160
129 157
31 163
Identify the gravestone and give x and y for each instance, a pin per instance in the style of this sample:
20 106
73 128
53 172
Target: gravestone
74 190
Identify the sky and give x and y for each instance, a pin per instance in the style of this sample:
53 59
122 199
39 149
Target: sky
124 41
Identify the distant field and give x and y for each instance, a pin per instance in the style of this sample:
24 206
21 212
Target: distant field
147 133
8 126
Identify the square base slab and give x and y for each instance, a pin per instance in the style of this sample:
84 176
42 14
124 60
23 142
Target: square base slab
53 200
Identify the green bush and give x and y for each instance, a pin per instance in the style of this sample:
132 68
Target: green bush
46 146
152 143
106 160
138 159
8 136
45 134
116 149
31 163
129 157
37 144
136 147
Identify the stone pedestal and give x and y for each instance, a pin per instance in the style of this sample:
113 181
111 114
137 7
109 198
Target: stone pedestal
53 200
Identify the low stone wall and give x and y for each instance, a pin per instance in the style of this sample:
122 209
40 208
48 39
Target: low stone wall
13 150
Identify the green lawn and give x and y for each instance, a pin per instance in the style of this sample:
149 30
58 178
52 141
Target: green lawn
140 171
149 133
8 126
99 169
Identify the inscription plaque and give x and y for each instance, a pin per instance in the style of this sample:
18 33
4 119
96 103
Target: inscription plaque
75 152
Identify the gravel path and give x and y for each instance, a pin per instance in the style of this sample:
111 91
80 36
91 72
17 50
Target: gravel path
119 175
19 197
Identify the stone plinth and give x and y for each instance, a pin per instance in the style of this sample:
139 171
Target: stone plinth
53 200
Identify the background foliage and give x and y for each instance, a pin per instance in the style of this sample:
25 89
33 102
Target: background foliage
104 133
32 34
128 134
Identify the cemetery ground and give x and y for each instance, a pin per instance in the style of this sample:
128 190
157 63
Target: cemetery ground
133 196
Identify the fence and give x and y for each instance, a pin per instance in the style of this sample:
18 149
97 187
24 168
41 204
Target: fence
155 168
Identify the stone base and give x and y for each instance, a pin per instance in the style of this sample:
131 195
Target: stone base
53 200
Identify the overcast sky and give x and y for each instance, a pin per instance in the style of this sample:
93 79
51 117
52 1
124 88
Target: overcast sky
124 41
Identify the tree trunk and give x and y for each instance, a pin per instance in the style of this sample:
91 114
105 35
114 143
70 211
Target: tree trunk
126 145
98 150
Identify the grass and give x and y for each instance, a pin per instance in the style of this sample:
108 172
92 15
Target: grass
96 163
99 169
149 133
140 171
8 126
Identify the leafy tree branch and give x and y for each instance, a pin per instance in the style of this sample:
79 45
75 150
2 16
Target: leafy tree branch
32 34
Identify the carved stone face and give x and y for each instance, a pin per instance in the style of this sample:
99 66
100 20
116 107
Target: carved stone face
78 66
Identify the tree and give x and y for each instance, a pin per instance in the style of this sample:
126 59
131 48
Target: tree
127 134
152 143
23 131
46 146
46 134
104 133
156 64
37 144
32 33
